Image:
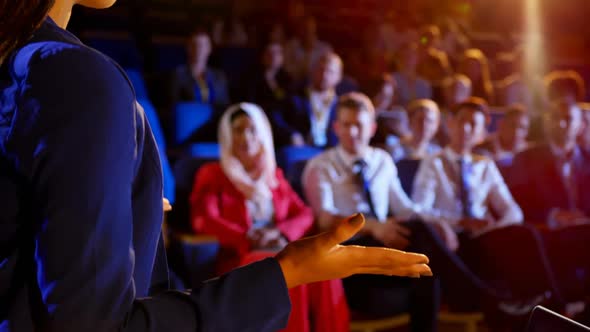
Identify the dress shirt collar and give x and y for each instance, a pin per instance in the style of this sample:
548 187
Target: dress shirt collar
454 156
349 159
323 96
560 153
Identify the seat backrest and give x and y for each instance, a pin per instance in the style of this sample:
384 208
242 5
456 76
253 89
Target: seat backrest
185 170
136 78
289 155
189 117
406 170
154 121
169 52
293 176
545 320
204 150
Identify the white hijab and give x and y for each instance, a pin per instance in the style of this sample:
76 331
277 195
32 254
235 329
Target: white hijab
258 191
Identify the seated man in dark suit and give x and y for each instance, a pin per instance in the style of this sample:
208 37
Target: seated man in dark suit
197 82
551 183
308 120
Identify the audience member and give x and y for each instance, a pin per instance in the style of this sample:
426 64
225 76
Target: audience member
584 137
424 120
385 94
269 85
557 85
474 65
511 137
196 81
392 126
332 186
474 211
453 40
409 84
304 50
434 64
229 33
356 177
308 120
550 181
518 86
475 181
455 89
564 84
246 203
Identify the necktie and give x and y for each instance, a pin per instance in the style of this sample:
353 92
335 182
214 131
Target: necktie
465 193
359 169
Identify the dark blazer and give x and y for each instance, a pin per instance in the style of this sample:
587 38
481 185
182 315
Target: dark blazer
81 193
536 183
257 90
183 87
297 119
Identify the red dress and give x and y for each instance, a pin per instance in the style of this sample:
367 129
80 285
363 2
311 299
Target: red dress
218 208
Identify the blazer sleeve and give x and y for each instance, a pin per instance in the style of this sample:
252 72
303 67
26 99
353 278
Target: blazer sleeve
253 298
299 218
75 140
287 124
206 210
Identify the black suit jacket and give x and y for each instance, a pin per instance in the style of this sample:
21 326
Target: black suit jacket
538 186
182 87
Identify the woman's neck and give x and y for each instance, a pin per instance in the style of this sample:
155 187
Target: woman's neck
61 11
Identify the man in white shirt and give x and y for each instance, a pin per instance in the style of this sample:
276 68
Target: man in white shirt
355 177
469 202
462 189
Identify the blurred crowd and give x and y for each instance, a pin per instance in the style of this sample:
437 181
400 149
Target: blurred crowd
465 156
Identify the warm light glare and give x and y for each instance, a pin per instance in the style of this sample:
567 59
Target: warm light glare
534 52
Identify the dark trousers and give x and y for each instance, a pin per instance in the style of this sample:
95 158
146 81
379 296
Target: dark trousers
568 249
513 259
499 265
384 296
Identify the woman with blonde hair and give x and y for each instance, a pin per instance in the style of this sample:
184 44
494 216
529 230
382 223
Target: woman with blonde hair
474 64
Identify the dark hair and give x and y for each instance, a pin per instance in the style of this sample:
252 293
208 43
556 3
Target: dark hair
515 110
419 105
238 113
18 20
475 103
564 83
